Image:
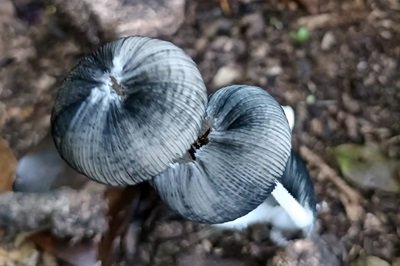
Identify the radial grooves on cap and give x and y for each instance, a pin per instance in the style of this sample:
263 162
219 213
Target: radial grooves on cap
248 147
125 139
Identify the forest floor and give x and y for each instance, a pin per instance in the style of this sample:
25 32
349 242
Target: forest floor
337 64
344 85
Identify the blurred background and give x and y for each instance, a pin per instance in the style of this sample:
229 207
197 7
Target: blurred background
336 62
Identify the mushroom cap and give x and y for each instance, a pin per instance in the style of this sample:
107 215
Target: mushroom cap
249 145
128 110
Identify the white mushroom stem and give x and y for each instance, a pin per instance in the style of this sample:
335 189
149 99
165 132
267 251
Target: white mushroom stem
298 214
290 116
290 213
265 213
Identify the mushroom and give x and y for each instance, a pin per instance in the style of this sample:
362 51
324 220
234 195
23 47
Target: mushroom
289 113
290 209
249 143
128 110
136 110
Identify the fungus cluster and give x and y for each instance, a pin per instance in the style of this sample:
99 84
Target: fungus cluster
137 110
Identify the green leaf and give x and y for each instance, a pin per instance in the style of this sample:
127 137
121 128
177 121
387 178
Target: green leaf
301 35
367 167
369 261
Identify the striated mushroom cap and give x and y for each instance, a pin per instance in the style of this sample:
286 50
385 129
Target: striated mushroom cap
128 110
248 146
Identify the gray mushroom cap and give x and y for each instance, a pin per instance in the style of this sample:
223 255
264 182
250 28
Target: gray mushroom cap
249 145
128 110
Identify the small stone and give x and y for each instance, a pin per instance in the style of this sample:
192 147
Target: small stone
351 124
372 223
226 75
317 127
362 65
261 50
274 70
386 23
332 124
221 26
207 245
168 247
201 44
218 251
328 41
254 250
7 8
133 17
169 230
305 252
254 24
350 104
386 34
44 81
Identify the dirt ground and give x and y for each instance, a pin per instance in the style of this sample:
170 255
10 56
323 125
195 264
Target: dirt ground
350 67
342 81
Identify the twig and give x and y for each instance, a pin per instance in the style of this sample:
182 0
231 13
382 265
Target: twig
324 20
351 199
66 212
226 7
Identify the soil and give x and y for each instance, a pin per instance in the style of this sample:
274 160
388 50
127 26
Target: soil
344 86
343 83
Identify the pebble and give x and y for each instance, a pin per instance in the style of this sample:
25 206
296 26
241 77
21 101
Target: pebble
350 104
7 165
261 50
169 230
226 75
317 127
207 245
328 41
274 70
254 24
372 223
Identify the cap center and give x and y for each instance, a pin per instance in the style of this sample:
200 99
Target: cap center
120 90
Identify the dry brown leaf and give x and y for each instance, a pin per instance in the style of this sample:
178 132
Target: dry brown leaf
351 198
129 208
226 7
318 21
121 208
8 166
367 167
78 254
